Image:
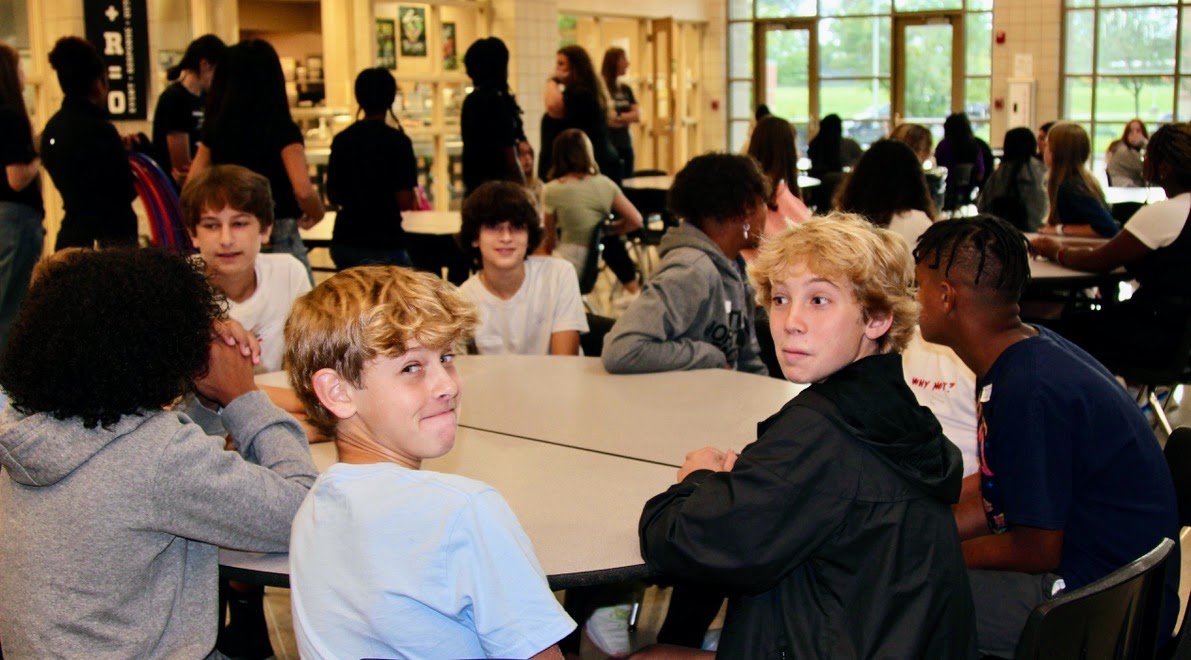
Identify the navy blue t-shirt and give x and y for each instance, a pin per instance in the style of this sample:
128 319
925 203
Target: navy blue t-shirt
1064 447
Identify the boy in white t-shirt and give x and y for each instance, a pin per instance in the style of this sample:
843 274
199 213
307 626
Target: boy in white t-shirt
527 305
387 560
228 211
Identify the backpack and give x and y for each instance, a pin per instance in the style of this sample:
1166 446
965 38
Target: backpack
1009 206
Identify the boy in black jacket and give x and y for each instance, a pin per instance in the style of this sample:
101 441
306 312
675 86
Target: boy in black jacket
834 529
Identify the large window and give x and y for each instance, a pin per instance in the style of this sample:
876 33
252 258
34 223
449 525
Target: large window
872 62
1122 60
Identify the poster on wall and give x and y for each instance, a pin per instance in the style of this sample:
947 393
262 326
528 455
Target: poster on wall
413 31
386 43
450 56
120 32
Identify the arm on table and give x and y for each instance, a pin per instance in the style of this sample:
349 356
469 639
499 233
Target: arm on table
564 342
1123 249
1024 549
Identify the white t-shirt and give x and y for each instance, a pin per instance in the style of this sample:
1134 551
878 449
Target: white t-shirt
1158 225
390 562
280 279
910 225
547 302
943 383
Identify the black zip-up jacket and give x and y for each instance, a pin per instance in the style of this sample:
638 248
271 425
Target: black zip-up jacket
833 531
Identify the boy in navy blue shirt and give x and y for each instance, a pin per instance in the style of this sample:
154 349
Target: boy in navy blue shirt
1072 483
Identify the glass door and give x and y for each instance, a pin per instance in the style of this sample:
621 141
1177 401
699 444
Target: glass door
928 74
786 72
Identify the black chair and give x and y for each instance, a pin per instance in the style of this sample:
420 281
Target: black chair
1178 458
591 265
1173 369
1116 616
592 343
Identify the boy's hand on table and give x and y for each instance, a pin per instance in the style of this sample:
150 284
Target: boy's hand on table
707 458
234 334
229 374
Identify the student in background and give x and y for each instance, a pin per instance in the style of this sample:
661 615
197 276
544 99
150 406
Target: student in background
919 138
1072 485
537 190
1122 163
696 311
84 154
1077 204
578 199
887 187
371 176
830 152
21 208
1016 191
248 123
772 144
1043 130
490 123
387 560
960 153
1155 248
575 97
112 508
807 526
527 305
178 116
624 105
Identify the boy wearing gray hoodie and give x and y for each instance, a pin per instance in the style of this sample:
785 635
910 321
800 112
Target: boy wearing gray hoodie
696 311
112 508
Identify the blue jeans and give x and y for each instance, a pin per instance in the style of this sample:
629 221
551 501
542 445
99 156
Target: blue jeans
285 240
21 241
350 256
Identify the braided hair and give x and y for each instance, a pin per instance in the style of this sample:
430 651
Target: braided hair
984 246
1170 144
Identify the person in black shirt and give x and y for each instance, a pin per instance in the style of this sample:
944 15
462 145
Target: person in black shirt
575 97
21 210
248 123
490 123
616 63
84 154
178 117
371 176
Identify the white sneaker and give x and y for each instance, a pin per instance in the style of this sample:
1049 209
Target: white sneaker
608 629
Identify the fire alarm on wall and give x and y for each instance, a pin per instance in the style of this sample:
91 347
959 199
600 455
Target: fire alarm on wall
1000 36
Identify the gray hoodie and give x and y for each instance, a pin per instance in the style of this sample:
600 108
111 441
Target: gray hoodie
109 536
696 312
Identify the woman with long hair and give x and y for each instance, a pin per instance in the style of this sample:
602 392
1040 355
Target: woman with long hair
576 97
829 150
959 152
248 123
887 187
625 108
371 176
772 145
84 154
1016 191
1122 163
1077 204
578 198
1155 248
919 138
21 208
490 123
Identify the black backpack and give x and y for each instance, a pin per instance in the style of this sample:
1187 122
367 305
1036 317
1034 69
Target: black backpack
1009 205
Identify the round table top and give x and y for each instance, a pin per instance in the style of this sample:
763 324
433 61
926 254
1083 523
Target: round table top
664 181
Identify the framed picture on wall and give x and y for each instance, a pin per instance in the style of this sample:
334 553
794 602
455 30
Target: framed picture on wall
450 54
386 43
413 30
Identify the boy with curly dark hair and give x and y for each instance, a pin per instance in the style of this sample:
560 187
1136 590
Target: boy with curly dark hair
112 508
696 311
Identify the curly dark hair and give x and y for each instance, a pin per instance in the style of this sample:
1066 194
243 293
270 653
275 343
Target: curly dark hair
78 65
493 203
716 188
108 333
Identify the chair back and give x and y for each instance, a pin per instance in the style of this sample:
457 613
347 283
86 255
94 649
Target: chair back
1116 616
1178 458
591 265
592 342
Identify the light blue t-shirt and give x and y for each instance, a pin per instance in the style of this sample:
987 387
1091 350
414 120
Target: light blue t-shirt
398 563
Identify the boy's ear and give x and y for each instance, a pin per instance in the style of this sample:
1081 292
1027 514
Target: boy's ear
876 326
333 392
